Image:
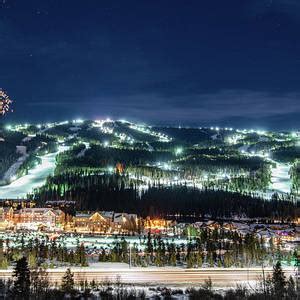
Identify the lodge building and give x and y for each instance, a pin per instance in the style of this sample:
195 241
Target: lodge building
50 219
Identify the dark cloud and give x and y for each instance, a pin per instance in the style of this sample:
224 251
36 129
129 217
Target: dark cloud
217 107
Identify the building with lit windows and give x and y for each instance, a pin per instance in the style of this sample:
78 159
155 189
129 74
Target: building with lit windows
6 218
39 218
93 222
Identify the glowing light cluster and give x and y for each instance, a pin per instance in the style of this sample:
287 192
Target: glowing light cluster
178 151
77 121
233 139
101 124
146 130
245 131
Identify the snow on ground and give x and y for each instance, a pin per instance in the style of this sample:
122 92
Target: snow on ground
280 177
28 138
75 128
215 136
35 177
12 171
244 148
82 152
281 181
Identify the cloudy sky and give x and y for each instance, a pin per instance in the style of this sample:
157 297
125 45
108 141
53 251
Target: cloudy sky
165 62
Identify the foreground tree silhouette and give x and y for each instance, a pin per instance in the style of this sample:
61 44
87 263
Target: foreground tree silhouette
21 286
279 281
67 285
39 283
291 291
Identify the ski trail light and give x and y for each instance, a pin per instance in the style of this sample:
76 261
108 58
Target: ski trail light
178 151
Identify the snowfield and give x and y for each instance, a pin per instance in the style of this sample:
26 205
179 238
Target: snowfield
36 177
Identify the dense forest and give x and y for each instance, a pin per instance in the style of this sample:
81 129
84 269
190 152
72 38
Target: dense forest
215 168
8 155
287 154
98 191
211 248
98 156
41 252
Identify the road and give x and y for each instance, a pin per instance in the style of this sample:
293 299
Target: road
162 276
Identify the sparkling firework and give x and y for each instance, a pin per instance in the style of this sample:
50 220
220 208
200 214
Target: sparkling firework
5 102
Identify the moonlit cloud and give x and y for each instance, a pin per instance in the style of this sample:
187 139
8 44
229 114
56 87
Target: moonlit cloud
203 107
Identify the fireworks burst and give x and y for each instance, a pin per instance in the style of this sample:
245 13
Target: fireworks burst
5 102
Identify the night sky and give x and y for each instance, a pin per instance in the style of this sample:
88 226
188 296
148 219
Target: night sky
224 63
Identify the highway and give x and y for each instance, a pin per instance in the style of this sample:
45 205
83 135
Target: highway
162 276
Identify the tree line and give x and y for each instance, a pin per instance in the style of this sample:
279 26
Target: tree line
33 284
211 248
95 191
41 253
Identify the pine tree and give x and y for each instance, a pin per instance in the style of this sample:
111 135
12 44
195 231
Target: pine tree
208 284
21 286
149 246
39 283
80 255
32 260
67 284
3 259
279 281
291 292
